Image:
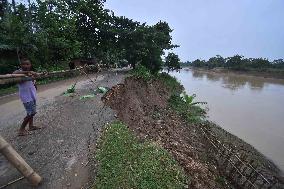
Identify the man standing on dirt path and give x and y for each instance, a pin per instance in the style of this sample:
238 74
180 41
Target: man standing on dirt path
27 93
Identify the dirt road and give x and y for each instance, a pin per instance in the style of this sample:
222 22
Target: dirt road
62 152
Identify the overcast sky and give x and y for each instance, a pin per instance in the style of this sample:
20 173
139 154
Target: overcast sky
205 28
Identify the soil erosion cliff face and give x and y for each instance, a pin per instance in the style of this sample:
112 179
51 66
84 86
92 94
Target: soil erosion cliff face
143 106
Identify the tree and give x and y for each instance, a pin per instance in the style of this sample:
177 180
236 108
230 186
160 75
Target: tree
279 63
258 63
172 62
56 33
198 63
235 62
216 61
142 44
53 32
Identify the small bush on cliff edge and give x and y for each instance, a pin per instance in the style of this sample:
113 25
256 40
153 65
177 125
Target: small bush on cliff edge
142 72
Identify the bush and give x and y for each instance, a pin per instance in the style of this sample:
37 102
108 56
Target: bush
184 105
142 72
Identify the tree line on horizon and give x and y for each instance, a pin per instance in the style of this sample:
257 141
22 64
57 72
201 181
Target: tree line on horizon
237 62
53 32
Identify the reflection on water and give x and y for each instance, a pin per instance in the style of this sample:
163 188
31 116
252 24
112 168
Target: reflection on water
249 107
230 81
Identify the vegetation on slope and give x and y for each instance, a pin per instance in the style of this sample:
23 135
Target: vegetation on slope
124 162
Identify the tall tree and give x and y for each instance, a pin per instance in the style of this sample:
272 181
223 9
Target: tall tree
172 62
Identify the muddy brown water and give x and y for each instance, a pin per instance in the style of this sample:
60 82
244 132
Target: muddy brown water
249 107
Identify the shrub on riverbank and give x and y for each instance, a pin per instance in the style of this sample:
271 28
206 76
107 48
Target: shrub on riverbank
124 162
142 72
185 106
145 74
179 101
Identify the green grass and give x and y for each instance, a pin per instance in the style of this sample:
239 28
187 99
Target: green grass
124 162
8 90
171 82
52 79
142 72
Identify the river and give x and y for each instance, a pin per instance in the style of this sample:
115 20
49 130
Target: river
249 107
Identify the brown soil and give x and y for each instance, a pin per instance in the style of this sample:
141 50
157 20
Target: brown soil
144 108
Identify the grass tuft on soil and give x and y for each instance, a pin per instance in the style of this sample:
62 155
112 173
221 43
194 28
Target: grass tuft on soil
8 90
124 162
171 82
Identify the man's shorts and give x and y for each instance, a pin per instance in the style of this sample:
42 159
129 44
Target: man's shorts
30 107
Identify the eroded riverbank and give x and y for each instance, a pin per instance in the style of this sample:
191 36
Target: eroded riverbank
62 150
143 107
246 106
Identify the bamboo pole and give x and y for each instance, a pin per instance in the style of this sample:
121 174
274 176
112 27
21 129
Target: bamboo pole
16 78
11 76
19 163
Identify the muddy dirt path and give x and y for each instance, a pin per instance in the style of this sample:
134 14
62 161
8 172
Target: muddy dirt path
60 152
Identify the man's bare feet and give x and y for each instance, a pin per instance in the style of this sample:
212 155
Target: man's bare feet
23 132
33 128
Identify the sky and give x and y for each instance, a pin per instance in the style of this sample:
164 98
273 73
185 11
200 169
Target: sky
205 28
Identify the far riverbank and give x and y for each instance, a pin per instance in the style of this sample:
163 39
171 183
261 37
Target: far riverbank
271 73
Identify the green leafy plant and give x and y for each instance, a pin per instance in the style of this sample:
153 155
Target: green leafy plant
142 72
185 105
70 90
189 99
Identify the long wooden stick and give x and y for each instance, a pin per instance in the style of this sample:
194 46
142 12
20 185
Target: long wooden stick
19 163
15 78
11 76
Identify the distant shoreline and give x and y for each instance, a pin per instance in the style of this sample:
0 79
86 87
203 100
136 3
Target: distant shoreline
264 74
